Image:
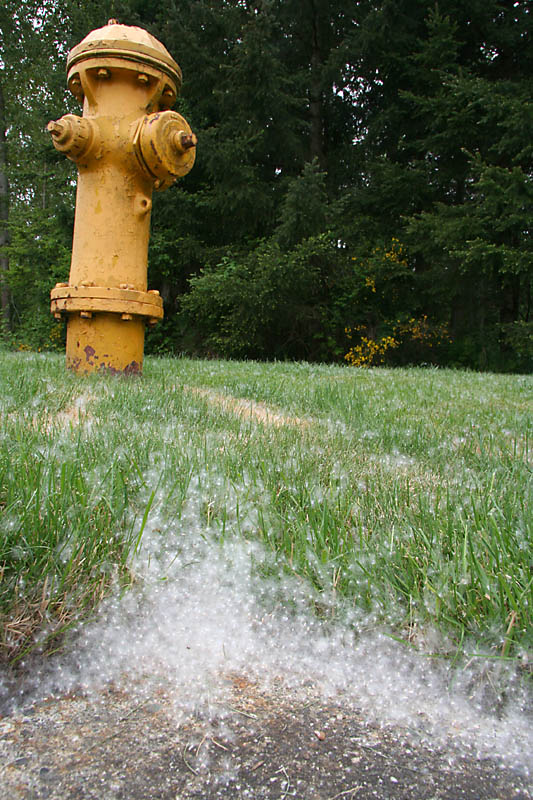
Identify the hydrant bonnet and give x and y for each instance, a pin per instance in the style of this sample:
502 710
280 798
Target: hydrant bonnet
118 44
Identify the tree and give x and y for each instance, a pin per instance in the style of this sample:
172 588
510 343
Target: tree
264 95
34 185
4 217
370 162
477 233
447 160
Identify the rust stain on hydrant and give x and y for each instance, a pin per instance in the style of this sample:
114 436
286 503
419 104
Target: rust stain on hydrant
126 144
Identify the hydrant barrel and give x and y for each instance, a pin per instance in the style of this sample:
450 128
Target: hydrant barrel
126 144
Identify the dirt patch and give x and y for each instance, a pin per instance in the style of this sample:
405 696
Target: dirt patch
75 414
263 744
70 416
249 409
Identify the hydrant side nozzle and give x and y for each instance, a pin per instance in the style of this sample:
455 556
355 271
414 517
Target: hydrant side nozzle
72 135
165 147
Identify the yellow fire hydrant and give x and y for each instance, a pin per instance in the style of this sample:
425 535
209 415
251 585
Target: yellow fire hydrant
126 144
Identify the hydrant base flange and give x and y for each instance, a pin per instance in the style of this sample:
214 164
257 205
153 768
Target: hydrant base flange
108 299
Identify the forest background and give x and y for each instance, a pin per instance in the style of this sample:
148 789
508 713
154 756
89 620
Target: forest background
363 188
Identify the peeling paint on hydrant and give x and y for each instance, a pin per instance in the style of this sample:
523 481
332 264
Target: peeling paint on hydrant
126 144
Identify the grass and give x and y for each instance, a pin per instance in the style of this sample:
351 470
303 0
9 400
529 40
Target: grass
401 497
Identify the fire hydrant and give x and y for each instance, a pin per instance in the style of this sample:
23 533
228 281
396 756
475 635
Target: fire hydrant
126 144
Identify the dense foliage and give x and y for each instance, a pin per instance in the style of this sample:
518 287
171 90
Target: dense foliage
363 186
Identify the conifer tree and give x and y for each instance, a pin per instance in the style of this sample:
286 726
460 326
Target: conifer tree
370 162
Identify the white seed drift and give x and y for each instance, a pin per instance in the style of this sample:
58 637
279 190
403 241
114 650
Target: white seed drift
200 615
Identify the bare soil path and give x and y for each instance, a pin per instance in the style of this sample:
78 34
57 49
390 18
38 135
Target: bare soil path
265 744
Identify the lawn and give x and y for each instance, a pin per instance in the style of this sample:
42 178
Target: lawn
397 500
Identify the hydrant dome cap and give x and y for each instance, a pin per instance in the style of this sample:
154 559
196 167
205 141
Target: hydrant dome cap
128 42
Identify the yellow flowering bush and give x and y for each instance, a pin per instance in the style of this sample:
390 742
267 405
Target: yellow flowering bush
371 351
422 331
396 253
44 334
56 336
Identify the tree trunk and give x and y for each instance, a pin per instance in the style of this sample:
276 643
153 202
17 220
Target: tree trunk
510 300
5 298
316 100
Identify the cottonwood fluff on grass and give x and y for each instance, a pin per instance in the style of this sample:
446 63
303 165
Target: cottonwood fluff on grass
371 488
201 614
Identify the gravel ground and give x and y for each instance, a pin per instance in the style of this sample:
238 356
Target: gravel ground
264 744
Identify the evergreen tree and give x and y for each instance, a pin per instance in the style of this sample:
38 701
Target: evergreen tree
447 161
269 104
37 186
361 166
478 126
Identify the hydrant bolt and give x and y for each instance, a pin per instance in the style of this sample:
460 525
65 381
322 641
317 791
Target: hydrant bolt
126 144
